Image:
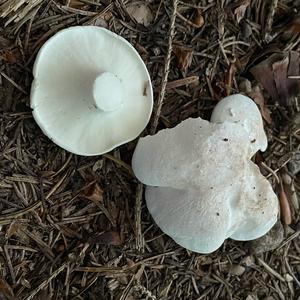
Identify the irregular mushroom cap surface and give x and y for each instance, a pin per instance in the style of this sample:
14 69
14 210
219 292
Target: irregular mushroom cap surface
202 185
91 90
242 110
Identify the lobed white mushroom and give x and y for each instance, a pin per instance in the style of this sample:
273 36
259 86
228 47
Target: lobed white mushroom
91 90
202 186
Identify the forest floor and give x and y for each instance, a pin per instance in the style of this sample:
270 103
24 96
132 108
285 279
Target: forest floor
74 227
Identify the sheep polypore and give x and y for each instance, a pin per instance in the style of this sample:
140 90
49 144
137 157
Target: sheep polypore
202 186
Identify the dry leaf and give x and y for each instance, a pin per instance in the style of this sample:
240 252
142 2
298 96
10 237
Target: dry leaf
259 99
279 75
13 228
184 57
286 215
93 192
241 9
108 238
130 262
199 20
9 56
141 13
287 88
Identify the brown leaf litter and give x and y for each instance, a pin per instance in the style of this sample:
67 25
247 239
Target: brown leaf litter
184 57
108 238
279 74
257 95
240 10
74 227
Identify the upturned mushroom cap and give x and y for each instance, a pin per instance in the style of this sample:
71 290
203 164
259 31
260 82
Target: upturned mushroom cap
202 185
91 90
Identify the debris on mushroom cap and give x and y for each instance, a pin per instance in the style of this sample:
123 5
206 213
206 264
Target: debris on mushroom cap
91 90
202 185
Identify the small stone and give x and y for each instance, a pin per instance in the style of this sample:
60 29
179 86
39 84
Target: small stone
141 13
100 22
245 86
156 51
248 261
98 165
268 242
294 164
288 277
286 179
237 270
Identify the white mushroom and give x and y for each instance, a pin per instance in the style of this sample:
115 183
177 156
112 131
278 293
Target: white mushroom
238 109
91 90
202 185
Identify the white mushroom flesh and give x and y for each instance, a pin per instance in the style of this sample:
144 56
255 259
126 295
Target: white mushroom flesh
91 90
202 185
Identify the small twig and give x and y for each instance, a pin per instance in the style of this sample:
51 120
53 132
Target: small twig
289 239
180 82
291 272
56 186
223 53
139 241
41 244
269 22
7 218
225 45
120 163
188 21
270 270
121 270
91 3
13 83
10 267
271 171
46 282
285 210
166 69
127 289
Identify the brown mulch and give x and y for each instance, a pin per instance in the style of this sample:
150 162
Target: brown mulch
75 227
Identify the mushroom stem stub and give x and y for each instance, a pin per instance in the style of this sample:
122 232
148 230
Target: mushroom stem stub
107 92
